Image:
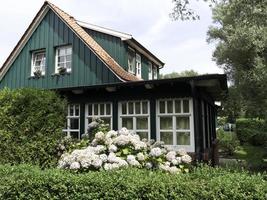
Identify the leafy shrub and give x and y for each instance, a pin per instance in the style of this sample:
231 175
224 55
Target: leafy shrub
251 131
25 182
31 123
228 142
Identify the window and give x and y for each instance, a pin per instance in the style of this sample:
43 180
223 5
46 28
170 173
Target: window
175 123
150 69
134 115
73 121
131 61
138 66
38 63
155 72
98 110
63 58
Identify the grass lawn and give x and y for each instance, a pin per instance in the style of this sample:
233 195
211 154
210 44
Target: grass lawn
256 156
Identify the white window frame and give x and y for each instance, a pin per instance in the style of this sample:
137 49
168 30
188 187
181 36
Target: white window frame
131 69
43 60
188 148
68 130
87 116
150 71
56 58
134 115
155 72
138 65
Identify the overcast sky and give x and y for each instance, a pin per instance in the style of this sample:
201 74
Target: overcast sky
180 45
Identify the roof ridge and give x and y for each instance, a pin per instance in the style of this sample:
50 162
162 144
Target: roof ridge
109 61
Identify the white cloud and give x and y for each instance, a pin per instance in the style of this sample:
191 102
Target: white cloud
181 45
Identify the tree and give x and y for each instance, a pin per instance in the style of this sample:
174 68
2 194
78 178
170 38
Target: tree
182 11
239 31
181 74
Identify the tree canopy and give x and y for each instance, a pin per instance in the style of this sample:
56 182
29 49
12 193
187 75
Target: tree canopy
240 33
179 74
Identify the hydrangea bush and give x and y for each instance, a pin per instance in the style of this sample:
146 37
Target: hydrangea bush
123 148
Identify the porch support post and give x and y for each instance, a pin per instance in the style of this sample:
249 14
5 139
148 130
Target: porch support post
197 127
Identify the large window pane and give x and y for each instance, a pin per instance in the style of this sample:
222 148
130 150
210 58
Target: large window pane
74 123
183 138
169 107
77 110
186 106
162 106
143 135
90 109
144 107
102 109
182 123
127 123
177 106
141 123
74 134
130 107
166 123
71 110
108 111
95 109
124 108
137 108
166 137
107 120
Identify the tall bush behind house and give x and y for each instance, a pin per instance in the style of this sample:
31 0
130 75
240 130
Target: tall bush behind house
31 123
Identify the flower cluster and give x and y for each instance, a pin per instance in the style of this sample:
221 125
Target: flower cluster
123 148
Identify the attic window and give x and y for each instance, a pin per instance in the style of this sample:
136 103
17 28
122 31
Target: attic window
150 69
155 72
63 59
38 63
131 61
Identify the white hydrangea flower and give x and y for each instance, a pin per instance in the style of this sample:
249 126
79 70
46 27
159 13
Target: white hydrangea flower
122 163
99 149
103 157
111 134
186 159
75 165
140 156
155 152
100 136
124 131
164 167
167 163
107 166
132 161
179 160
112 148
174 170
175 162
121 140
170 155
181 152
149 165
112 158
97 163
108 141
85 163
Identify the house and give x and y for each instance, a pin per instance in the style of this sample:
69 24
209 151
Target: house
108 74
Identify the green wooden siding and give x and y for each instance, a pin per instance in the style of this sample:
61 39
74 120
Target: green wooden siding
87 68
118 49
114 46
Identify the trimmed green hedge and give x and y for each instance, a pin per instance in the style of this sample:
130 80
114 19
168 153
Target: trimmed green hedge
253 131
31 123
26 182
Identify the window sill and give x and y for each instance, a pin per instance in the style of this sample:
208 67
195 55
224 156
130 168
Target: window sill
58 74
35 77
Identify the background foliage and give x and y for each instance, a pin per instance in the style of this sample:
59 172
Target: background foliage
31 123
